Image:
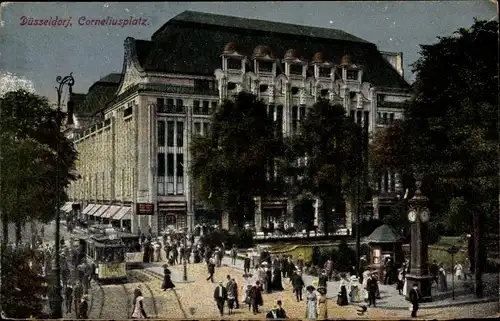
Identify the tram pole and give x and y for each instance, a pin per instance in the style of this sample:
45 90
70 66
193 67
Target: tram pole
56 306
184 275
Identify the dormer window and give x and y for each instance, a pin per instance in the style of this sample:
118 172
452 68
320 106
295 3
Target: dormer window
352 75
295 69
265 66
233 64
324 72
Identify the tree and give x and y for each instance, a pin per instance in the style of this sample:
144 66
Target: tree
231 163
325 157
36 157
22 285
450 132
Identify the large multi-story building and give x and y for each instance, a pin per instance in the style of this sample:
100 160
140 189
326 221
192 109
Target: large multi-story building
134 149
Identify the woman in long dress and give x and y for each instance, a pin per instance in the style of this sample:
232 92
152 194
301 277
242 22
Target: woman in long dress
167 280
311 307
277 282
342 296
322 304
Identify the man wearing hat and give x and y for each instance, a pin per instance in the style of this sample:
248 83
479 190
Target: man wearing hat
220 296
414 299
298 285
323 279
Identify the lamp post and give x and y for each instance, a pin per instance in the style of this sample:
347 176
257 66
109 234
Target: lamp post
453 250
56 307
184 274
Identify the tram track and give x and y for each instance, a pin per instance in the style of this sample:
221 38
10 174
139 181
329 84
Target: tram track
142 279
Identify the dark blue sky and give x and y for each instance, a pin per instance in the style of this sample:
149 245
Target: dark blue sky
42 53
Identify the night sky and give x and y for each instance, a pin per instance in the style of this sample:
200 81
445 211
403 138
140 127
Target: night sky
40 53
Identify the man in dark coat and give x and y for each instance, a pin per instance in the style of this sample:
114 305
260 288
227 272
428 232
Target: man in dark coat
268 280
372 290
211 270
220 297
434 269
297 285
246 265
68 297
414 299
323 279
277 284
256 297
77 295
83 309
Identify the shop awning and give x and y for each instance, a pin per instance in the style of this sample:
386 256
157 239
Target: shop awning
101 210
66 207
125 213
87 209
94 210
112 210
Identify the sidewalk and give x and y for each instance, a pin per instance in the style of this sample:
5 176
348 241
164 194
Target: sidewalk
392 300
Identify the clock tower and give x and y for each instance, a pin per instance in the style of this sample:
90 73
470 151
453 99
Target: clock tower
418 216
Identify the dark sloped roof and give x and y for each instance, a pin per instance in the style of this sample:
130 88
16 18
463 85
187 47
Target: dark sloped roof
191 48
259 25
100 93
384 234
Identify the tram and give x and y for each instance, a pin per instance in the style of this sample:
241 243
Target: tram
107 253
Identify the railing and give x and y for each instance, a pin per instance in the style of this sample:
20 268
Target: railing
171 109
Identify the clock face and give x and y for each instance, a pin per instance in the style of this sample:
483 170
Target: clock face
424 216
412 216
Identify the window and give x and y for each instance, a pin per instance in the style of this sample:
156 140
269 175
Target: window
180 134
324 92
265 66
385 119
302 113
170 133
202 84
161 164
180 165
391 118
196 107
379 118
279 120
359 114
380 100
179 105
263 88
160 105
324 72
338 73
270 112
295 69
214 106
295 90
366 123
206 128
205 107
234 64
352 94
161 133
170 164
352 115
197 128
231 86
128 111
352 75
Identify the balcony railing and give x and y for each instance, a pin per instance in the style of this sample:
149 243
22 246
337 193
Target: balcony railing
171 109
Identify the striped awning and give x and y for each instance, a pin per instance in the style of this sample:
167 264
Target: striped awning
94 210
125 213
66 207
101 210
88 208
112 210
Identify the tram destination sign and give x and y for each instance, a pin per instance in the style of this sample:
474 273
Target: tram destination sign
145 209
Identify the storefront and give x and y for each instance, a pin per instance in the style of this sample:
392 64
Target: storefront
172 215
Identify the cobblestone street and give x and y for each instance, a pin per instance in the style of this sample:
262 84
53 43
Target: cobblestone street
196 299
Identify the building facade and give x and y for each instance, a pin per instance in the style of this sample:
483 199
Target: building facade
135 150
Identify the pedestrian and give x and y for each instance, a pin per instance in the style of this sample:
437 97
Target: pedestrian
83 309
400 283
280 312
354 288
434 269
139 312
68 297
256 297
328 268
77 295
246 265
211 270
312 304
167 279
297 285
220 297
42 232
342 296
268 280
236 294
442 285
372 290
322 303
323 279
459 270
414 299
277 284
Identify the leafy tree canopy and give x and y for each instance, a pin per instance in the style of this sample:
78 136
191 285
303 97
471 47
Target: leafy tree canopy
34 150
231 162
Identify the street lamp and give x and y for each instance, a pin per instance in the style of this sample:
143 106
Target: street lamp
56 307
453 250
184 274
